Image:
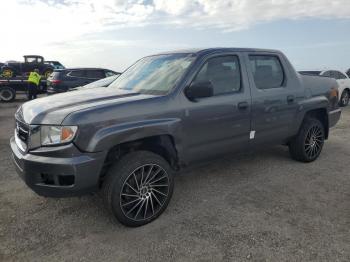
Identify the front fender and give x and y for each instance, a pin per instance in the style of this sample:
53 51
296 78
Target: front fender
107 137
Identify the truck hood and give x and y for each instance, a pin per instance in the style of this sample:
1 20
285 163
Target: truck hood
53 109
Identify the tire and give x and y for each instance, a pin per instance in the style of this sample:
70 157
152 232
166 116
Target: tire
8 72
7 94
138 188
308 144
344 99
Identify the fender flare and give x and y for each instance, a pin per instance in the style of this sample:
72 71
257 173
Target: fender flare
307 105
108 137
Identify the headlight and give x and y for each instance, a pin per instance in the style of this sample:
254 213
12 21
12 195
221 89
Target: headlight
54 135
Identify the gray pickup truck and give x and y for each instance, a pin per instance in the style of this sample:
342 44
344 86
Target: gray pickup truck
166 112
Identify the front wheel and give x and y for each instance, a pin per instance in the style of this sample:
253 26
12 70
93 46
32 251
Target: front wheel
345 97
138 188
307 145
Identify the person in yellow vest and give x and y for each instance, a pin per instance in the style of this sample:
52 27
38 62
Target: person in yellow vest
33 84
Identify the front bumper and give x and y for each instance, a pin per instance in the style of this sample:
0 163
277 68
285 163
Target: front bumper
333 117
58 171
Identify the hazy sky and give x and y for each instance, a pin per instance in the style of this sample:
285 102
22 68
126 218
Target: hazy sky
314 34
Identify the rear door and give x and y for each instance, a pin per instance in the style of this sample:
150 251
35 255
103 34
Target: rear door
275 95
75 78
93 75
221 123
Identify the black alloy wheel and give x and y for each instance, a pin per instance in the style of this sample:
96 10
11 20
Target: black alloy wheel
307 145
144 192
138 187
314 141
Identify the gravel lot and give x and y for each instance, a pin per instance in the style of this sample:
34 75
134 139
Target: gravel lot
255 207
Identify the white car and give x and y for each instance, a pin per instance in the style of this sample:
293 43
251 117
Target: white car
343 82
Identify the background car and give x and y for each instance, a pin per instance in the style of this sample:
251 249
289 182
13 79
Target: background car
55 64
62 80
348 72
12 68
104 82
342 79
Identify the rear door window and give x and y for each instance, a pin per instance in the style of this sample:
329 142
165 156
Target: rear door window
341 75
267 71
77 73
334 74
95 74
327 74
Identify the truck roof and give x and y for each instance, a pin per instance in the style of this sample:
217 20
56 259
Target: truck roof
204 51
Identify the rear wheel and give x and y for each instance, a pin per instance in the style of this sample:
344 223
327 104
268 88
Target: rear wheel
307 145
345 97
138 188
7 94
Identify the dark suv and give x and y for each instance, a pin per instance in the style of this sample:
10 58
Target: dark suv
61 80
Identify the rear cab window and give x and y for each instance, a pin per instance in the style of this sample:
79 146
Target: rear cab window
267 71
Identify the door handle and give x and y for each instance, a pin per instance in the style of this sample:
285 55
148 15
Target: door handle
290 99
243 105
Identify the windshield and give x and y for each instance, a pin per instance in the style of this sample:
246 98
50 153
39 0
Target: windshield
155 74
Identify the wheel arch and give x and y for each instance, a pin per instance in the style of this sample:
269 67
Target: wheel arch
345 89
163 145
320 114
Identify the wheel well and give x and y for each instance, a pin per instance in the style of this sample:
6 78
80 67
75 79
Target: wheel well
320 114
162 145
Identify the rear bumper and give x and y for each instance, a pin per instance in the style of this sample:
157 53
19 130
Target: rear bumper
333 117
52 91
58 172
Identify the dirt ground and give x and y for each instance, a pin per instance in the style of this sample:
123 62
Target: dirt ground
254 207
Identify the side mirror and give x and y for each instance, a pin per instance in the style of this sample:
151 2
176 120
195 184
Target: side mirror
199 90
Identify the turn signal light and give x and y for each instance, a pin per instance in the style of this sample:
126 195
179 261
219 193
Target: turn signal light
67 133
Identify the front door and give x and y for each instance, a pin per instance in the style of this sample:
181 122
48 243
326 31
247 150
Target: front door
221 123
